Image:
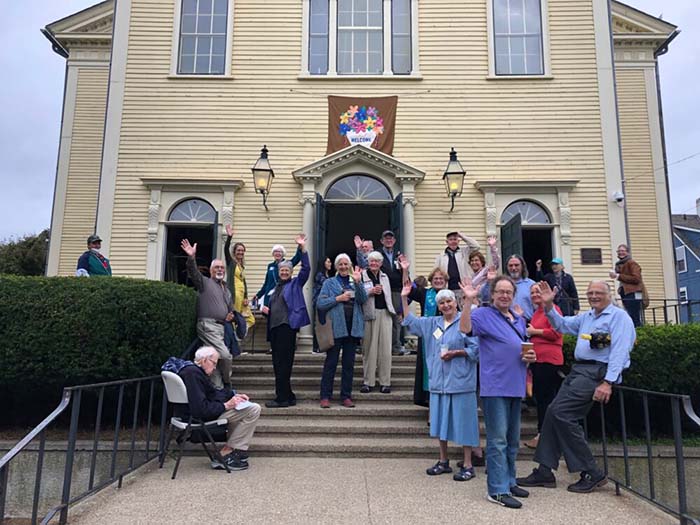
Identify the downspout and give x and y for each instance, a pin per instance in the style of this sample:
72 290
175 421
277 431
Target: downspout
55 44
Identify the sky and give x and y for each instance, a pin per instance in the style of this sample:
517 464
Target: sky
31 96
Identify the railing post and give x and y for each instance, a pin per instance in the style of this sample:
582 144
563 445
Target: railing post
647 434
680 460
70 453
604 438
625 450
665 311
3 491
37 478
163 416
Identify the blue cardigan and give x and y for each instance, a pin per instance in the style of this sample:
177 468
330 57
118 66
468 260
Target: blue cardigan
328 306
293 295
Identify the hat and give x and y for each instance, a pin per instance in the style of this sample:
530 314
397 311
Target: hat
94 238
388 233
557 260
451 233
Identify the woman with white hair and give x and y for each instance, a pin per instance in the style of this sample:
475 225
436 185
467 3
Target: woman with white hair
378 311
272 274
451 358
340 302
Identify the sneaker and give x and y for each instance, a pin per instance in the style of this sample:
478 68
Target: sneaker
532 443
519 492
325 403
538 479
347 403
276 404
439 468
242 454
293 402
505 500
365 389
464 474
235 462
385 389
588 482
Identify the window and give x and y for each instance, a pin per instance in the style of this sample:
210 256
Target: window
530 213
681 263
683 295
517 37
193 210
360 37
203 43
358 188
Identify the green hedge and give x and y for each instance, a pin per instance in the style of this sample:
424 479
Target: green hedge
61 331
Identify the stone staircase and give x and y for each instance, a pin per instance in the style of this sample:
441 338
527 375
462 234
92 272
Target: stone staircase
381 425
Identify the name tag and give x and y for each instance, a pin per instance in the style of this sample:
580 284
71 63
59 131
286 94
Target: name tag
437 334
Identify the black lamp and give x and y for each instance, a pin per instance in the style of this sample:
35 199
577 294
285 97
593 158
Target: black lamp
454 178
263 175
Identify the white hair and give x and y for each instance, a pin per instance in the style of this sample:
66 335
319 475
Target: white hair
278 247
444 295
340 257
205 352
375 256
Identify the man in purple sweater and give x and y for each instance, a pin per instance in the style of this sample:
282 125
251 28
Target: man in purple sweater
206 403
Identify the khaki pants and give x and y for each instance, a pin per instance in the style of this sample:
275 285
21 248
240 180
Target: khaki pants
241 425
376 349
211 333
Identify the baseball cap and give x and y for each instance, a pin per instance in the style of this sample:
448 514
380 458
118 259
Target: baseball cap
388 233
557 260
451 233
93 238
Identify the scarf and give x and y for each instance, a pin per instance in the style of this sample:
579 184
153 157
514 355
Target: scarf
620 262
430 303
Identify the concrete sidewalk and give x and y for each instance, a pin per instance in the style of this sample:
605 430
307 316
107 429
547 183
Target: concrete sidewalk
344 491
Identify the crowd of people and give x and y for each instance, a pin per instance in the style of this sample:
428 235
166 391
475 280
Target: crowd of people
480 333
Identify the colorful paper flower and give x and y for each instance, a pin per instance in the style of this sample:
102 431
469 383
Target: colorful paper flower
360 119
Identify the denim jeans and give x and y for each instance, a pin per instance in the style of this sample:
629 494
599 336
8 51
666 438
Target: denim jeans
633 307
502 420
348 346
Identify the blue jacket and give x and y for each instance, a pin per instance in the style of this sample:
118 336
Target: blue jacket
293 294
328 306
272 275
457 375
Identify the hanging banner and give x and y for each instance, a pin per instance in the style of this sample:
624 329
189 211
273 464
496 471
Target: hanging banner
361 120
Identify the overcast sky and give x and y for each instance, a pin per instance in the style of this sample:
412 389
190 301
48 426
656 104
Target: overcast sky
31 96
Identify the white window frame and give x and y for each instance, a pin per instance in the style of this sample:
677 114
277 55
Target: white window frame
680 256
175 47
491 32
333 45
683 295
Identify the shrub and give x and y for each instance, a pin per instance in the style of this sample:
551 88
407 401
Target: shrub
62 331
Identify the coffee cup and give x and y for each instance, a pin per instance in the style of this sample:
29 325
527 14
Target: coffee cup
444 349
526 346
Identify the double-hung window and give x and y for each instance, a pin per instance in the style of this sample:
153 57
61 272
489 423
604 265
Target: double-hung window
681 262
518 37
360 37
203 38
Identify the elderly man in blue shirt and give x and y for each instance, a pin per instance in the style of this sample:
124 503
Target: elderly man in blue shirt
606 336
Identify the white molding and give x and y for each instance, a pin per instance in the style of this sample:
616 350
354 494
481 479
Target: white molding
332 40
62 168
415 45
393 78
686 228
305 30
386 35
198 184
688 248
113 119
609 122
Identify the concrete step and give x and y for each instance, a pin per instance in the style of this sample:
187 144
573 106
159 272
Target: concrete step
251 381
262 393
309 358
309 369
311 408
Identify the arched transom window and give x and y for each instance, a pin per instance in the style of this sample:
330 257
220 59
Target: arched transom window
530 213
358 188
193 210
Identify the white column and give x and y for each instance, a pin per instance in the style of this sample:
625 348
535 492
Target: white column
308 200
386 6
333 39
409 233
154 209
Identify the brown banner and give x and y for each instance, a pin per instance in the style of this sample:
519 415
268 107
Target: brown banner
361 120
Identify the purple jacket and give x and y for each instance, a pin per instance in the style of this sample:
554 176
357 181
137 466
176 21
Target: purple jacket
294 296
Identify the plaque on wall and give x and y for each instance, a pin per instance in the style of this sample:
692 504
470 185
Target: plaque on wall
591 256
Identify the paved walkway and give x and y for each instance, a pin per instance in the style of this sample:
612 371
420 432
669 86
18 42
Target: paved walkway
343 491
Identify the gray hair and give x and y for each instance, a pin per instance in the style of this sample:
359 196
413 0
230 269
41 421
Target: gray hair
205 352
604 283
340 257
278 247
375 256
445 295
285 264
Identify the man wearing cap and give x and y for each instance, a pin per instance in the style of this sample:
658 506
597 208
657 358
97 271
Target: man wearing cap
92 262
567 296
392 268
454 261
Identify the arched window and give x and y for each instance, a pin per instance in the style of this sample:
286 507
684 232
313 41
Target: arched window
530 213
193 210
358 188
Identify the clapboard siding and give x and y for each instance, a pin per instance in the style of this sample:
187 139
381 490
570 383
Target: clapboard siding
84 165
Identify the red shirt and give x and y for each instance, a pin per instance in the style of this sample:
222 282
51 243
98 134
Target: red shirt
548 345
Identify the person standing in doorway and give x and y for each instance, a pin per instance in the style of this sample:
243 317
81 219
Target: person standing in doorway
454 261
629 273
567 295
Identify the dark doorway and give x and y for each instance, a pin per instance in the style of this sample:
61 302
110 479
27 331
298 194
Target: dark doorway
344 221
537 244
175 258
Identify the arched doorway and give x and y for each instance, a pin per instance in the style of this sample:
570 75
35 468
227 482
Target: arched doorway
193 219
527 230
355 204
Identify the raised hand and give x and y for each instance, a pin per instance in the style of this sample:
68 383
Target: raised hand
406 290
538 264
470 293
229 230
517 309
491 240
301 240
358 241
189 249
357 274
547 293
491 273
404 262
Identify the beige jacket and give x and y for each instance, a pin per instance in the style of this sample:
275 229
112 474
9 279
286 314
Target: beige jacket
461 256
368 308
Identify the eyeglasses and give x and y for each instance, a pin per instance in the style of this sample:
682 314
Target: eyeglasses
503 292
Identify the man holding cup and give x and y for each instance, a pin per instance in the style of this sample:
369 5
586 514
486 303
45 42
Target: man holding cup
606 336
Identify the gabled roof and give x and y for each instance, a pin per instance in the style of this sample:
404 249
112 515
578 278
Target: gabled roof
686 221
630 20
682 225
91 26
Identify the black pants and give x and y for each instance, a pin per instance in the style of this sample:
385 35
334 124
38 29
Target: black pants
633 307
545 385
561 432
283 341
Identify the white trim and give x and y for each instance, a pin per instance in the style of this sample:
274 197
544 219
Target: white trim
609 124
686 228
113 124
387 40
62 168
680 256
546 58
683 290
175 45
688 248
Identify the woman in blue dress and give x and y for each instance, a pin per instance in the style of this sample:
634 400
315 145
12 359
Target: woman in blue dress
451 359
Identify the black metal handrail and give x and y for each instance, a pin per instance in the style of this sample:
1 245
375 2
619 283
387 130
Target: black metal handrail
676 402
670 311
74 394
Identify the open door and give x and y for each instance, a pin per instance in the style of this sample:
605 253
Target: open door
321 229
511 240
396 222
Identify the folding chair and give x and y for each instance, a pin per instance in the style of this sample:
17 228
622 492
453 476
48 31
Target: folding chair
177 395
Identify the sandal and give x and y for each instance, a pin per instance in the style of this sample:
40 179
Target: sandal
439 468
464 474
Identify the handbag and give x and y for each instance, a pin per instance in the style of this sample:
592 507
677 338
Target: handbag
324 333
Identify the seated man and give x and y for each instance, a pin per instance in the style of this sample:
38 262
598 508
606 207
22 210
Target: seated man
605 339
206 403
